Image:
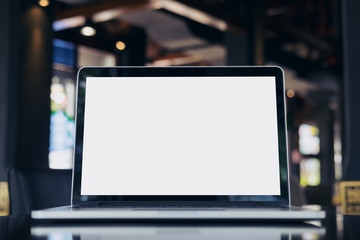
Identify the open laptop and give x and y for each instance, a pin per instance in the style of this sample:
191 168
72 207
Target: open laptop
180 143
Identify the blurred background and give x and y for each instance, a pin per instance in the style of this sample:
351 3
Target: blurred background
45 42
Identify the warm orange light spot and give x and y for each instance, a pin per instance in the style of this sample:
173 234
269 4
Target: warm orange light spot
120 45
290 93
44 3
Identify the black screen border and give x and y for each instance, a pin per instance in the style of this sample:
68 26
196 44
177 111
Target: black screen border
228 71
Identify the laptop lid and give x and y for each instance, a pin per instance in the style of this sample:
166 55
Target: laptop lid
180 135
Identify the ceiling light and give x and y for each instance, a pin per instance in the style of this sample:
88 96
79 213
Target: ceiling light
44 3
192 13
88 31
107 15
120 45
67 23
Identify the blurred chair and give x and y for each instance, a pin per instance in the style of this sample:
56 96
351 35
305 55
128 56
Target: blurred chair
320 195
31 189
297 192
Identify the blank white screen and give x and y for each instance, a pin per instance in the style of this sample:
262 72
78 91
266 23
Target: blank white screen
180 136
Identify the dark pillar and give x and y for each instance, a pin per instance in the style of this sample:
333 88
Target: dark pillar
237 48
25 77
247 47
351 47
35 67
134 53
257 31
7 82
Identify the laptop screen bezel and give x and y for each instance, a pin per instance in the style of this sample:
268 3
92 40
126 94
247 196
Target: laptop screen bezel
266 71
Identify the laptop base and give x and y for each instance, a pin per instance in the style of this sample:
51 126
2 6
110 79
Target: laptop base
267 214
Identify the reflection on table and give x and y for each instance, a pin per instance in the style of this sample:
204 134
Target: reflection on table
336 226
167 232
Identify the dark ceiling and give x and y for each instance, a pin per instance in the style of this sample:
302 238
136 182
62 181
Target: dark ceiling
302 35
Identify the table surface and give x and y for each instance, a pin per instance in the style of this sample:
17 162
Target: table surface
336 226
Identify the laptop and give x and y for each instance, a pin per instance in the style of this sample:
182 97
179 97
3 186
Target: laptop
180 143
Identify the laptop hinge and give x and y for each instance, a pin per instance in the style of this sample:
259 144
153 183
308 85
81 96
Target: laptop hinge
188 204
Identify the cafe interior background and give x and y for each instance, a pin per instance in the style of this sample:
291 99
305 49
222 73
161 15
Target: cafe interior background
45 42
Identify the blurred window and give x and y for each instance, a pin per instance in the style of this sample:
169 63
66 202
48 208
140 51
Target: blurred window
309 147
63 52
309 141
94 57
310 172
62 95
